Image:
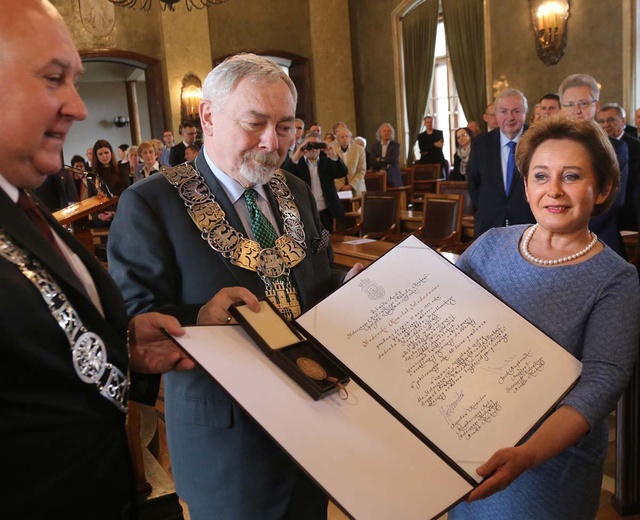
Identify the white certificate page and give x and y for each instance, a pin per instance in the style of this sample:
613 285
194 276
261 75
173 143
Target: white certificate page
464 369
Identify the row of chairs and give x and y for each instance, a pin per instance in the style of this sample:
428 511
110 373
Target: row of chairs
443 203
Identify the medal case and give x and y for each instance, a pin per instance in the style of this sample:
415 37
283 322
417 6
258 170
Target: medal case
297 356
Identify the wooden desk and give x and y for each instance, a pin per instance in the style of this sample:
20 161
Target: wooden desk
77 215
467 228
347 255
410 220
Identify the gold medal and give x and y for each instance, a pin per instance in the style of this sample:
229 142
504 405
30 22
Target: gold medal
311 368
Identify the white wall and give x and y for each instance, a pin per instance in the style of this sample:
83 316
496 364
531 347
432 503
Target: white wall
105 100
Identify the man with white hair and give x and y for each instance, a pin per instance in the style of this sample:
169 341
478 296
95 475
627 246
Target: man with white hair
579 96
494 182
355 160
227 227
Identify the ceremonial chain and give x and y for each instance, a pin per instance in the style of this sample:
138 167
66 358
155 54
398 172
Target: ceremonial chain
88 351
273 265
540 261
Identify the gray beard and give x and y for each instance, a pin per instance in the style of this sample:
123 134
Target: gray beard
258 168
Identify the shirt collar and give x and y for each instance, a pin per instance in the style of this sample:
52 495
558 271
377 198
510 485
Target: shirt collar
9 189
504 139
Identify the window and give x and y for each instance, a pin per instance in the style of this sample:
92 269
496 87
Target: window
444 104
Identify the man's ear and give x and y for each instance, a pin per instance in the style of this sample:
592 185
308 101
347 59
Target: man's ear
206 117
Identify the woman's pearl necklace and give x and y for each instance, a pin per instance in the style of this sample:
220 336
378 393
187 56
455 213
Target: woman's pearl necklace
539 261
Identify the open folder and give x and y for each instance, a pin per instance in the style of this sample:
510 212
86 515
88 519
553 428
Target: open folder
443 374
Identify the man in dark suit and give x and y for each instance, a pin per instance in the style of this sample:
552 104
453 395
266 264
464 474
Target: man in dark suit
189 132
611 118
579 95
430 143
63 326
495 186
385 154
318 168
224 465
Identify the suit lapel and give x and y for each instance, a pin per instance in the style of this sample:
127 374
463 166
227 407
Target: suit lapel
18 225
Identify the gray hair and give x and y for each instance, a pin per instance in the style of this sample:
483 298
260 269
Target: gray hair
580 80
616 107
512 92
312 133
223 79
393 132
361 140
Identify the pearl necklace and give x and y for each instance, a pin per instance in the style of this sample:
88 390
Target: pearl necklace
539 261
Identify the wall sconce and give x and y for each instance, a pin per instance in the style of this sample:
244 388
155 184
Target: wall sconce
549 19
121 121
190 97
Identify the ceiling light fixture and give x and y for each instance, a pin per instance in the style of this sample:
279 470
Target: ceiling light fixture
145 5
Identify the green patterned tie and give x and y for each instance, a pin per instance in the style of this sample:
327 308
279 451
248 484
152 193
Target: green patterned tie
263 231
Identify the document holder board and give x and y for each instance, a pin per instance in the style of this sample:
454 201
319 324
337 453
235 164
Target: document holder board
443 374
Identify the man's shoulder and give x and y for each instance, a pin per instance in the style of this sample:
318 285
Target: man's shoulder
486 140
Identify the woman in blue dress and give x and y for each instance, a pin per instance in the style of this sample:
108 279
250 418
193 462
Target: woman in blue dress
560 277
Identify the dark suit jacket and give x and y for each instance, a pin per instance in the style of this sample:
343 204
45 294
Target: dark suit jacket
632 131
327 171
58 191
176 156
429 153
224 465
64 444
606 225
390 162
492 206
628 216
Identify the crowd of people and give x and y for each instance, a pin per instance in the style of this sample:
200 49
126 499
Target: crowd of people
78 342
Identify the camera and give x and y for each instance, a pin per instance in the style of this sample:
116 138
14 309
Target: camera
315 146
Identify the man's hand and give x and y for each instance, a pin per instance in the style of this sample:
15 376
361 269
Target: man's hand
150 350
439 143
346 187
330 152
354 271
215 311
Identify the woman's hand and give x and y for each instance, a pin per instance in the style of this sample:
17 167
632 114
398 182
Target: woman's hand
563 428
502 469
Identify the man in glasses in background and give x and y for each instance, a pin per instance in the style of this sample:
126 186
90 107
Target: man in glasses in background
612 119
579 95
189 132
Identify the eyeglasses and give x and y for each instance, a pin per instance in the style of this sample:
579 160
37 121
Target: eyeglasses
609 120
580 104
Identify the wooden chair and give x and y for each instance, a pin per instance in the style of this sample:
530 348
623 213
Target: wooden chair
380 215
403 195
441 220
405 173
376 181
424 178
460 188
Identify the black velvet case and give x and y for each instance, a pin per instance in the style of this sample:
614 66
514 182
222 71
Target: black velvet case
285 346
